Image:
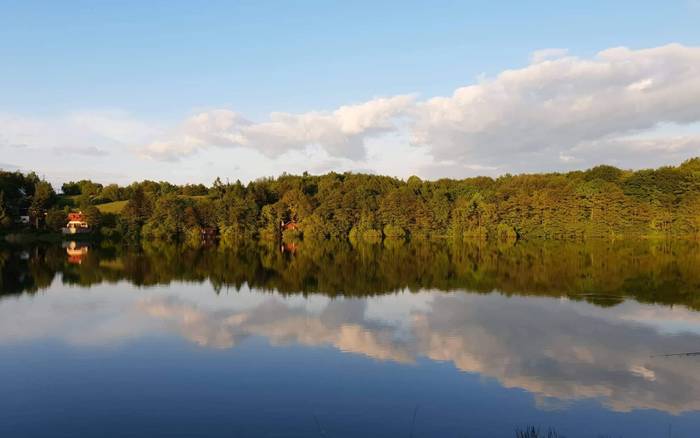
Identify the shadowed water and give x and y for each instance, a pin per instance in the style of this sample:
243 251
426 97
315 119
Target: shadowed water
399 339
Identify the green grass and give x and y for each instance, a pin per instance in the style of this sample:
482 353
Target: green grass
115 207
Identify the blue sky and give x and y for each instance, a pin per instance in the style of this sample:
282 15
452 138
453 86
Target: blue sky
157 63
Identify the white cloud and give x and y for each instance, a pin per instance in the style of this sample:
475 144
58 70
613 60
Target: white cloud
545 115
549 108
633 151
557 350
86 144
547 54
78 150
631 108
341 133
79 132
8 166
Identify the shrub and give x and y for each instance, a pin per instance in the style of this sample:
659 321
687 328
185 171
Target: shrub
372 236
394 232
291 235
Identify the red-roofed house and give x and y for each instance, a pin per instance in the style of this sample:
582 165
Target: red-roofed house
77 223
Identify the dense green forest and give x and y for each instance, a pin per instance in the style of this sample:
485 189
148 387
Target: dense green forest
598 271
600 202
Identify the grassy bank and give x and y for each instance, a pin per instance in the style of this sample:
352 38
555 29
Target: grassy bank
115 207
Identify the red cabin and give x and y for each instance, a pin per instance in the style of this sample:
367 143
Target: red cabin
76 224
76 217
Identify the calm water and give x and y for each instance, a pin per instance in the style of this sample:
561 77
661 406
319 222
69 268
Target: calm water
421 340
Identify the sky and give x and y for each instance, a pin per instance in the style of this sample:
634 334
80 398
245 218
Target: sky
118 91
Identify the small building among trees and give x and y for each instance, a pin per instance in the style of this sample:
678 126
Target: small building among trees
77 223
290 225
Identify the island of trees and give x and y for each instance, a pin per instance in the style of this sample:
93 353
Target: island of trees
602 202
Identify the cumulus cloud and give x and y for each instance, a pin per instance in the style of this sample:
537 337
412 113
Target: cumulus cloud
565 351
559 351
341 133
341 323
558 110
544 346
554 106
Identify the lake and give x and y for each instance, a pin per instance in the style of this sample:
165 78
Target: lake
418 339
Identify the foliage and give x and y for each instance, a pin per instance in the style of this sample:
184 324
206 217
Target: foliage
93 216
5 219
82 187
372 236
135 214
56 219
43 197
505 232
291 235
170 219
602 202
601 272
394 232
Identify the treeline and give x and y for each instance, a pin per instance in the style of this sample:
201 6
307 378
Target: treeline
600 202
90 192
28 201
24 196
598 271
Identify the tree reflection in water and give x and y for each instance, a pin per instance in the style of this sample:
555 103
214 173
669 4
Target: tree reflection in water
600 272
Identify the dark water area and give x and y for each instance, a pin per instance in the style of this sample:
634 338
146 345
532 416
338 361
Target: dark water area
417 339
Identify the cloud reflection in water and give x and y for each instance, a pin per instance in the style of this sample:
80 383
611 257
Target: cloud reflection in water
558 350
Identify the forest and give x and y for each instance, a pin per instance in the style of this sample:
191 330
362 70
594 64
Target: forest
601 202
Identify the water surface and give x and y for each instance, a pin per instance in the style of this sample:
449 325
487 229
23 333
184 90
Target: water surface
421 339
